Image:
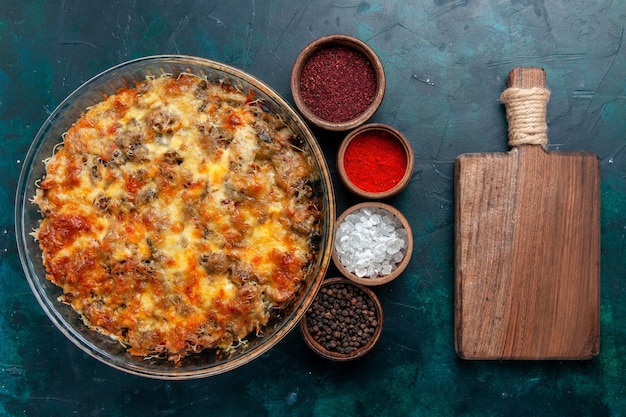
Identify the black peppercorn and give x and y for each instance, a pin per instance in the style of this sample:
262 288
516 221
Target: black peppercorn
342 318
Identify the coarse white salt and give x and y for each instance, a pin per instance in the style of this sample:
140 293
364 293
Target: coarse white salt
370 242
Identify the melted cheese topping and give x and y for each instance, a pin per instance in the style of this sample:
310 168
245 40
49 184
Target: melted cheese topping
177 215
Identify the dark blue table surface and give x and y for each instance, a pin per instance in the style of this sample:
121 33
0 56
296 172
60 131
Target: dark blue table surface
446 63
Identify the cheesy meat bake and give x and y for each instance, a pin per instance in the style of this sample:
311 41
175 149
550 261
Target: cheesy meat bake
177 215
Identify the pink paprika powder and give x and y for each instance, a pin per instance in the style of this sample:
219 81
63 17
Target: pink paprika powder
375 161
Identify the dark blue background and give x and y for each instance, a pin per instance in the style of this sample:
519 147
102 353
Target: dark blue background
446 63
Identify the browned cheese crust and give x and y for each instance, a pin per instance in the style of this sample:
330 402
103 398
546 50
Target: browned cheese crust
177 215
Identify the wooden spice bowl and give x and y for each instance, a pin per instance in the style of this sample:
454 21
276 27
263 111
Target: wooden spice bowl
320 328
406 251
375 161
375 90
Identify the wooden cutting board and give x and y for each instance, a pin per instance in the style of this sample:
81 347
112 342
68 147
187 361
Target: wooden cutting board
527 241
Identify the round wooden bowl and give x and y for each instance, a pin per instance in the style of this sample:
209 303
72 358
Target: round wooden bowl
319 348
400 267
392 133
328 42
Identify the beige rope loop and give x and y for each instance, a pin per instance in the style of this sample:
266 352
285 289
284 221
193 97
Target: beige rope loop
526 115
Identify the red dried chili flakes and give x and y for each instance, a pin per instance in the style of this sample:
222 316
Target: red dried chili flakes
338 84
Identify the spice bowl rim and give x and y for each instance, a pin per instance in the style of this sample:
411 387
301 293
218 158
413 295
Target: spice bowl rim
358 353
401 266
337 40
396 189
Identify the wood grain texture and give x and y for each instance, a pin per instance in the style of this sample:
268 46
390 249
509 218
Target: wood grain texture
527 255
